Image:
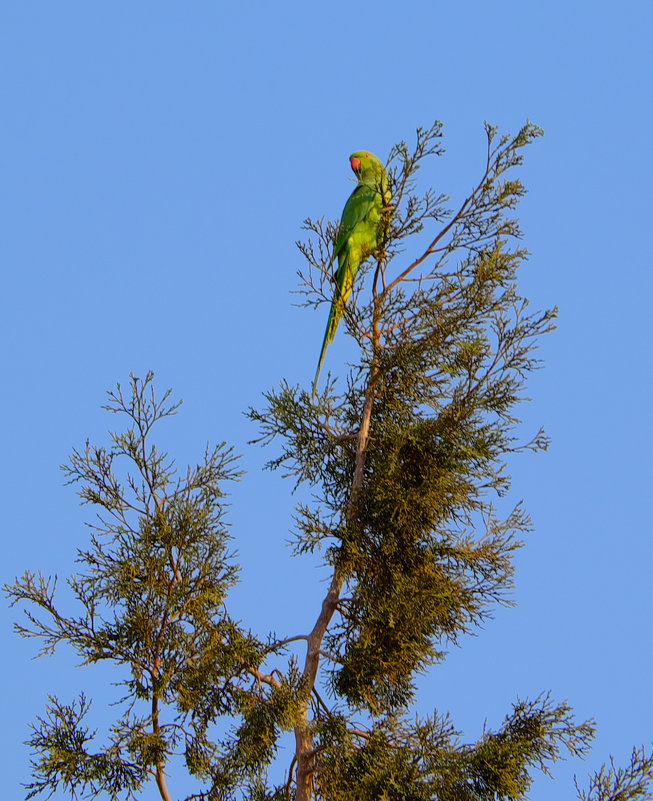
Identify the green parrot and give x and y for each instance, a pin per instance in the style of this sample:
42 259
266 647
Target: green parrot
358 235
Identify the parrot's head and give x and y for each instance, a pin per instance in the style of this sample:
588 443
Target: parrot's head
365 165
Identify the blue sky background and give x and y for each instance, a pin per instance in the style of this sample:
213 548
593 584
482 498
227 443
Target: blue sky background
156 162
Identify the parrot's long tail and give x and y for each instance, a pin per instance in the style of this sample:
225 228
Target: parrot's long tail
332 323
337 309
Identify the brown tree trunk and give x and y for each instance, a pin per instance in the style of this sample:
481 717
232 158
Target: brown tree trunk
304 752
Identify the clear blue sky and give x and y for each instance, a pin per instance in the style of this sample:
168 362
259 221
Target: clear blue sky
156 162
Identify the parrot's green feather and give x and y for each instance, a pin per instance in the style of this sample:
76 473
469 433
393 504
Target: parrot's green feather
358 236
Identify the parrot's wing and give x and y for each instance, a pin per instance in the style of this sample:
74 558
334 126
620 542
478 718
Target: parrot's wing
359 204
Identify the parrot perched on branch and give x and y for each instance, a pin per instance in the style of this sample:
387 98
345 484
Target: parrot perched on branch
358 235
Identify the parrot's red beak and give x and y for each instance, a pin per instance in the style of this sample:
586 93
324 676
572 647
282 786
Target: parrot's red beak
355 164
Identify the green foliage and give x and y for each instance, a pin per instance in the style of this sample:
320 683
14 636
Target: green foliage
611 783
152 588
61 738
405 462
425 759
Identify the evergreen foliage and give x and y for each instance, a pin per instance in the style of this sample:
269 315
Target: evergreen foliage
404 457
